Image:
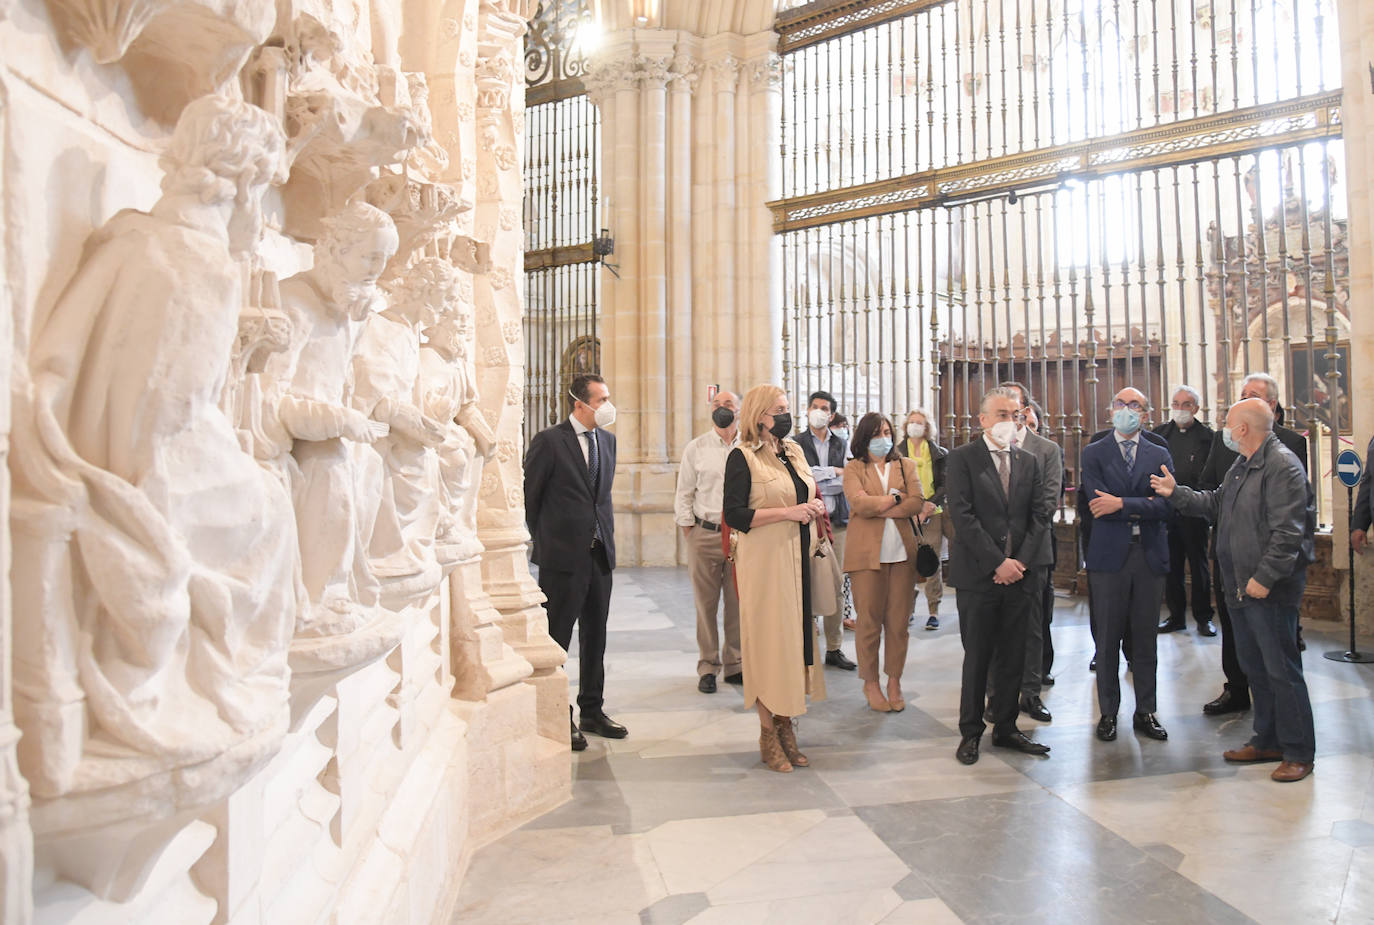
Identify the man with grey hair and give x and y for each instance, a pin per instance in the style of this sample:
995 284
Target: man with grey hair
697 505
1001 517
1235 694
1189 441
1265 519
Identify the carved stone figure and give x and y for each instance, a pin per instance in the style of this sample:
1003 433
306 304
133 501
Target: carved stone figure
153 588
338 474
386 372
449 388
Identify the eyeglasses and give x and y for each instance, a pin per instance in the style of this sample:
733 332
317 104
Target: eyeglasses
1133 405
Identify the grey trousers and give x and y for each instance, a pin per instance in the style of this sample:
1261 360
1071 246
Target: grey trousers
1032 674
1130 597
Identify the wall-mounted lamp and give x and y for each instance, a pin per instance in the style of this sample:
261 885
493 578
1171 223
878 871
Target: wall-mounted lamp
603 246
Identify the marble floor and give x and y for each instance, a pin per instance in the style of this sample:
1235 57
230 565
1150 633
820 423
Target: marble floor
681 823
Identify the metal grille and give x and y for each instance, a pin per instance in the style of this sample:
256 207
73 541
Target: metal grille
562 158
1077 194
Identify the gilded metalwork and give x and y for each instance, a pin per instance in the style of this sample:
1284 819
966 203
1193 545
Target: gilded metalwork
556 50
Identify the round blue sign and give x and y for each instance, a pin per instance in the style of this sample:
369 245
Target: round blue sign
1349 468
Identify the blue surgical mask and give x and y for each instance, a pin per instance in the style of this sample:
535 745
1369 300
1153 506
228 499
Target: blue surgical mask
1230 441
880 446
1126 420
842 433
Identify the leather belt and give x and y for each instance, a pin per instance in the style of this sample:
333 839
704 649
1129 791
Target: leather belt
714 528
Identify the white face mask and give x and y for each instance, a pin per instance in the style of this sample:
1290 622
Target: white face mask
1181 417
817 418
1003 433
915 431
605 414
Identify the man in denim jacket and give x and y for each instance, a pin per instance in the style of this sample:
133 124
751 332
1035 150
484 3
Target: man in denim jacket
1265 520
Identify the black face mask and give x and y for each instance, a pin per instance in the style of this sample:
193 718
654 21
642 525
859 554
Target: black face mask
782 425
722 417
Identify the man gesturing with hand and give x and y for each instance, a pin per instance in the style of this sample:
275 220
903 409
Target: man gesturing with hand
1265 518
1001 518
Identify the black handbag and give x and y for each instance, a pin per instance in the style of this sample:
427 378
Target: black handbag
927 558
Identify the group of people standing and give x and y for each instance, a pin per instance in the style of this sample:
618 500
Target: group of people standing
761 506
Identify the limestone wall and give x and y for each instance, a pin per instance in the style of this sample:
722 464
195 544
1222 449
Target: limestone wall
269 648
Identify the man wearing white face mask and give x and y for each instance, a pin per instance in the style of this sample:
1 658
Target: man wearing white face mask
1001 514
825 452
1127 559
1190 441
568 474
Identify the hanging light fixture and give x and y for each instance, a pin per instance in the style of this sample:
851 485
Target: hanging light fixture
645 12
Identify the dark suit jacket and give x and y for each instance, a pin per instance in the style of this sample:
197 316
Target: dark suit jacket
983 516
1081 498
1363 512
1103 469
562 507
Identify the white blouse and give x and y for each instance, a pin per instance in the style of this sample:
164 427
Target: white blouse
892 549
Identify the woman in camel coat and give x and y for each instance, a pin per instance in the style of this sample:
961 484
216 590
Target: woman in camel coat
884 492
771 508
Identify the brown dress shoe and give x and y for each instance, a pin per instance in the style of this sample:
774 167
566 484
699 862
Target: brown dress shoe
770 750
1248 754
787 738
1291 771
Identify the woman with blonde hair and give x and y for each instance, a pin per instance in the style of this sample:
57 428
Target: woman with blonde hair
771 506
884 493
920 443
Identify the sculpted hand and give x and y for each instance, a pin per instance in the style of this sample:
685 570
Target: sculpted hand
1164 483
357 427
1105 504
1256 590
1358 540
1009 572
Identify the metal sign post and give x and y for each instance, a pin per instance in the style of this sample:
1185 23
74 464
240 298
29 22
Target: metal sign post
1348 470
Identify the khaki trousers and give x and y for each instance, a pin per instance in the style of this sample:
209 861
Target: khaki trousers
883 598
934 586
711 576
834 625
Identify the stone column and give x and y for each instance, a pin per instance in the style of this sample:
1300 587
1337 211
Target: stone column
1356 20
724 245
761 288
16 838
686 392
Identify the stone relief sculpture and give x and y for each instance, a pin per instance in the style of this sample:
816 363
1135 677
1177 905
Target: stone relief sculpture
449 390
386 372
337 473
153 557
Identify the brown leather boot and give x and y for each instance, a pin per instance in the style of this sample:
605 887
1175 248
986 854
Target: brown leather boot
770 750
787 738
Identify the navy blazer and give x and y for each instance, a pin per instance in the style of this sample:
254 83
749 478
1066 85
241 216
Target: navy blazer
562 506
1103 469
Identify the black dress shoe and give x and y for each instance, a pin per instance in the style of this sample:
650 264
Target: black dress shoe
1228 702
1106 729
1092 665
1147 724
1172 626
579 741
1047 681
1033 707
967 752
836 659
707 684
1206 628
1020 742
736 678
602 725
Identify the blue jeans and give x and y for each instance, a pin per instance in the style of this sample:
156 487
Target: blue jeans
1267 646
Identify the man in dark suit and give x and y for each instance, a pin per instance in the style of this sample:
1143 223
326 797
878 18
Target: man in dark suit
568 473
1363 514
1001 514
1085 537
1235 693
1190 441
1128 558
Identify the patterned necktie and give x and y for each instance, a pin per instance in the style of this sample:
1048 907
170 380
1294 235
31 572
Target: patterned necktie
594 469
1128 453
1004 470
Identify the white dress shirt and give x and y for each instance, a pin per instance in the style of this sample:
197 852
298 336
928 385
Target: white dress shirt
701 479
1134 438
892 548
581 442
